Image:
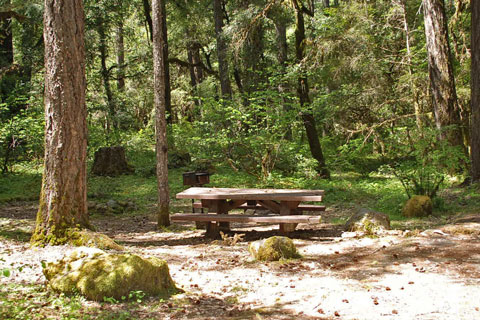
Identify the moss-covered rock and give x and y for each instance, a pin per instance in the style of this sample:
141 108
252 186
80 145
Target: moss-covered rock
368 221
418 206
96 275
273 249
92 239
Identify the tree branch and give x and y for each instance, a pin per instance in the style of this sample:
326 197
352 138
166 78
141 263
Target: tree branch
187 64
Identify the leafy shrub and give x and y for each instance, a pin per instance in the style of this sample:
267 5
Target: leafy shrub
426 163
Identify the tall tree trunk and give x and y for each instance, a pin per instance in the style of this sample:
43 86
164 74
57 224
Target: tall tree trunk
166 70
148 17
440 70
106 76
63 200
475 134
160 56
303 93
225 84
406 29
282 57
120 57
6 41
196 72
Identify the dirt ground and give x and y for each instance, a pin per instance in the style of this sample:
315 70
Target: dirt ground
420 274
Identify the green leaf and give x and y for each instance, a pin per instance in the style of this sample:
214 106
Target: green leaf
6 273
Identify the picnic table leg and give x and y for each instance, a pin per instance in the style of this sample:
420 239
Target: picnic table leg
288 208
214 228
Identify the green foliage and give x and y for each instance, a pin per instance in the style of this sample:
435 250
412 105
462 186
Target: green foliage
21 129
425 162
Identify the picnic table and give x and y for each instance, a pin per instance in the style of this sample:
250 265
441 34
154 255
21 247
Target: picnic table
285 206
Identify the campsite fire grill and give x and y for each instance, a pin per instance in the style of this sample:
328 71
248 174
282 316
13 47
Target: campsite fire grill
195 179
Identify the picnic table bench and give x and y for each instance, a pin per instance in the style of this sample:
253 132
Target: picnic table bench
285 207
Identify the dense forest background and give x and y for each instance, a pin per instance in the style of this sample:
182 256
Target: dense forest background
271 88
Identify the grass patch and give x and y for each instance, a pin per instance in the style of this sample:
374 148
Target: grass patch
17 235
20 186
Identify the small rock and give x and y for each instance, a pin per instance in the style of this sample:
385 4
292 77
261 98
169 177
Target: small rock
273 249
418 206
368 221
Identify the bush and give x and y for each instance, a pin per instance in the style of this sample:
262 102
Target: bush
426 163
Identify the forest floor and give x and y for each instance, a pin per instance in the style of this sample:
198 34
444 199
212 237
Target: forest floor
432 272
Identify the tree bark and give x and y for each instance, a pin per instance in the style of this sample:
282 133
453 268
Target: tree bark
303 94
475 86
63 200
416 104
148 18
120 57
6 41
160 56
106 75
280 23
442 82
225 84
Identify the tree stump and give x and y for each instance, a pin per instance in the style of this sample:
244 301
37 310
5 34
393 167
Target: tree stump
111 161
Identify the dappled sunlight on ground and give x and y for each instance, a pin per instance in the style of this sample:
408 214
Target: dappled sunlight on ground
432 274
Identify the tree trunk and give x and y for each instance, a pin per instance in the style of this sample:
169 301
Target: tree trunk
148 18
282 56
475 134
303 94
160 56
440 70
196 72
120 57
406 29
6 41
106 76
63 200
225 84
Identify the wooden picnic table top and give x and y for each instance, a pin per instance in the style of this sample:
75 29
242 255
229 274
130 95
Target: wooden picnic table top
251 194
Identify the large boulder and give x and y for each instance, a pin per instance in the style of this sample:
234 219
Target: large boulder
111 161
87 238
418 206
98 275
368 221
273 249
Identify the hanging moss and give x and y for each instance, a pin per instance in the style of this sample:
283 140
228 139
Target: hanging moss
99 275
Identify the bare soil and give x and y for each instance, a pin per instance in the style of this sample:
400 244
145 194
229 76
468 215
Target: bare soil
421 274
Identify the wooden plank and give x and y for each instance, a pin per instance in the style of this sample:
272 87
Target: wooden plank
246 218
251 194
270 205
302 207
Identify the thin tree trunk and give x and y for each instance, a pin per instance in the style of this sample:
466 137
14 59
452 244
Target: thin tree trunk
160 56
106 76
475 134
6 41
406 29
303 94
63 200
282 56
196 72
440 70
120 57
148 17
225 84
